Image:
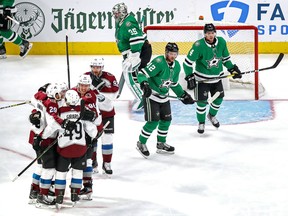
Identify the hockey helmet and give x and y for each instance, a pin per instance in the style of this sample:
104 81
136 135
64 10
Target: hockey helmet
98 62
85 79
72 98
119 11
171 47
209 27
54 91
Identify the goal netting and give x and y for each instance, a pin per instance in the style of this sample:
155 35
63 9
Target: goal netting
242 42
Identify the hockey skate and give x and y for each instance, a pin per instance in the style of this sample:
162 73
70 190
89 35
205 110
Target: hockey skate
213 120
25 48
43 201
106 167
143 150
86 192
74 196
164 148
59 199
201 128
3 52
33 195
95 166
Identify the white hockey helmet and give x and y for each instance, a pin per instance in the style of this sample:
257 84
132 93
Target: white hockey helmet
119 11
63 86
98 62
54 91
85 79
72 98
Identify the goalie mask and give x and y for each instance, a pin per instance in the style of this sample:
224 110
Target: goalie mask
72 98
119 12
54 91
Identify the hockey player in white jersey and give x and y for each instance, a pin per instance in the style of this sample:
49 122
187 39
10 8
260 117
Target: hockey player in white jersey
71 147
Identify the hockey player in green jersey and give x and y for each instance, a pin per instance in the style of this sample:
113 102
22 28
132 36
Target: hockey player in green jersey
6 12
209 54
161 74
135 49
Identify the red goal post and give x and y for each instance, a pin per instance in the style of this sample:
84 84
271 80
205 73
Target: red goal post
242 42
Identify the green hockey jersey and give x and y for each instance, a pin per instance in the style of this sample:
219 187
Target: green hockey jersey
129 35
209 59
161 76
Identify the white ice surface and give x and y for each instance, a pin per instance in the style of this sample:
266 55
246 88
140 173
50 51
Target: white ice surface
237 170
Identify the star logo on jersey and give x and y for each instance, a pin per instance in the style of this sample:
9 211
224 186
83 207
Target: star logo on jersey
213 62
165 84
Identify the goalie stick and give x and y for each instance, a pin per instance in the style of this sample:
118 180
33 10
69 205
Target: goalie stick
278 60
14 105
67 59
209 101
52 144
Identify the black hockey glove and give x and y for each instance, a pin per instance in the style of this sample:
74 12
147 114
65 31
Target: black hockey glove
186 98
69 125
89 115
37 142
98 83
34 118
191 82
44 87
146 89
236 72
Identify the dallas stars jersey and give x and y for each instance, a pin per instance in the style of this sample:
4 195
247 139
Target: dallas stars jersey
209 59
129 35
161 76
6 3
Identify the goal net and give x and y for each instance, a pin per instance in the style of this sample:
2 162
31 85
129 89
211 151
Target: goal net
242 42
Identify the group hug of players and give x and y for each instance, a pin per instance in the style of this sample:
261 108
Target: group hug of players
72 121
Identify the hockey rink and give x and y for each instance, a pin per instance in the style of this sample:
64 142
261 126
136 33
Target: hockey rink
241 169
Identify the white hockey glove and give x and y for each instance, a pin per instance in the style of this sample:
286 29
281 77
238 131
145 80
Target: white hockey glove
132 62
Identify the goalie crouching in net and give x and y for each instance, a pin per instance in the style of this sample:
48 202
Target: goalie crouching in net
210 54
135 49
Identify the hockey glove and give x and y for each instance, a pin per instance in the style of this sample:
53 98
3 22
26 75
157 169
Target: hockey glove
186 98
69 125
98 83
44 87
34 118
235 72
146 89
100 98
37 142
89 115
191 82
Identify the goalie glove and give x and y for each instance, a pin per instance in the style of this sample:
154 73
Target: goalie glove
132 62
186 98
191 82
98 83
235 72
146 89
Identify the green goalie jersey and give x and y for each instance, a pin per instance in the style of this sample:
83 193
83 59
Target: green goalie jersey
129 35
209 59
161 77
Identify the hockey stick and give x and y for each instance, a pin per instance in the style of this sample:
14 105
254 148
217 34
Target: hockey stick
209 101
13 20
52 144
121 84
278 60
67 58
13 105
